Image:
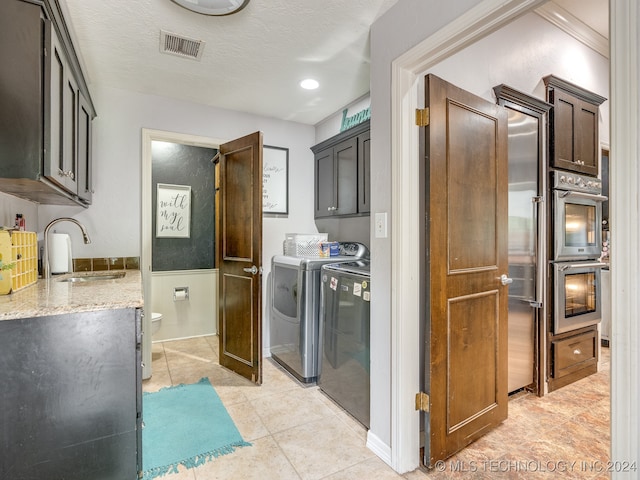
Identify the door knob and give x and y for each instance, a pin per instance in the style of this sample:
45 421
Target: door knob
504 280
253 270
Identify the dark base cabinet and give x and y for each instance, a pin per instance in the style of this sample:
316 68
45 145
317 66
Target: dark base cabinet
70 402
573 355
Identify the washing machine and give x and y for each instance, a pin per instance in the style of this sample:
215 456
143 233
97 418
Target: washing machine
295 309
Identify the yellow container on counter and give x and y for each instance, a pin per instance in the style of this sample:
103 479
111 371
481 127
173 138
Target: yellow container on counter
6 258
24 253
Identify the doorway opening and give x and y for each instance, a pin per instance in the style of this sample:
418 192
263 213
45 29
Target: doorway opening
488 16
205 278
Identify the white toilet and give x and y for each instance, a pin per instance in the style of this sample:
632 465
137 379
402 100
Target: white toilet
156 319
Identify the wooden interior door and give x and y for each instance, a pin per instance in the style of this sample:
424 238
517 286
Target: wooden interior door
466 344
239 255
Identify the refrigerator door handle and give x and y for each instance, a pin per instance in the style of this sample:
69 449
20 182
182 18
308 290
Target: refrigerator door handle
539 213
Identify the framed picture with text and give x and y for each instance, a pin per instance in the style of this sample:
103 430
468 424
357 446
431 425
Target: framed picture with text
173 211
275 180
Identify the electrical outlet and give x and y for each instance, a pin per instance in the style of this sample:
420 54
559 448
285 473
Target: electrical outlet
381 225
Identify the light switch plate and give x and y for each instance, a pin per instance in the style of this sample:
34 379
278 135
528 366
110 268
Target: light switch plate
381 225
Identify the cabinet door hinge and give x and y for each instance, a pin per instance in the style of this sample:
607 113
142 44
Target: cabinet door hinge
422 117
422 401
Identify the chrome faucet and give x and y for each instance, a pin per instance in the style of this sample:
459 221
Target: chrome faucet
46 270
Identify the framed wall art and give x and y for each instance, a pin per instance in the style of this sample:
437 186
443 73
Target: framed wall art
275 180
173 211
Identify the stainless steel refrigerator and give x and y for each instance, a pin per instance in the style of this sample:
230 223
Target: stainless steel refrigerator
527 236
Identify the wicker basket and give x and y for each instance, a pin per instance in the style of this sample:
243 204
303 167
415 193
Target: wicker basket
304 244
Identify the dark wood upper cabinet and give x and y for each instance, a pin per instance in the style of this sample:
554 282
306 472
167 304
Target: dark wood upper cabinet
45 125
573 127
342 174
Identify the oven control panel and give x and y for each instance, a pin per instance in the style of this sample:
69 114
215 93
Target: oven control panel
576 183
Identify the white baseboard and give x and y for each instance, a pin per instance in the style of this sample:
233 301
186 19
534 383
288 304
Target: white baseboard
378 447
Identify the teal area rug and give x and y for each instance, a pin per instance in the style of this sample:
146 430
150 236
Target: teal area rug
185 425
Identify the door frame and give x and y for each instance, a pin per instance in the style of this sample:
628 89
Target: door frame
624 33
406 71
149 135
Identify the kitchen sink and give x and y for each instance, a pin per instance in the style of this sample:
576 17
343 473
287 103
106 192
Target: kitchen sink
92 277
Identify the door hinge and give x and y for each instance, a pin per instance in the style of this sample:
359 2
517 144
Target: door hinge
422 117
422 401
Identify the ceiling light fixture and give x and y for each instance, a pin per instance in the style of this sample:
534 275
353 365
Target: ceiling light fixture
309 84
213 7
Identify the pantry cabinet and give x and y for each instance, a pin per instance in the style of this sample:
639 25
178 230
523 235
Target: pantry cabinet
573 127
342 174
45 134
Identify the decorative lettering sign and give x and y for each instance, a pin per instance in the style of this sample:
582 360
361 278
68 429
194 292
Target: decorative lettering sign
275 180
353 120
173 211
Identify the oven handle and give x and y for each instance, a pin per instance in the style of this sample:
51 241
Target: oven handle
589 196
581 265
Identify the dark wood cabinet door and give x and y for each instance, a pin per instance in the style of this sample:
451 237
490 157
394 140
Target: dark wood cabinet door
21 40
364 172
345 156
61 115
325 197
573 127
564 129
586 138
85 173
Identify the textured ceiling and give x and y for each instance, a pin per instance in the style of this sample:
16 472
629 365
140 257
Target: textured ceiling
252 61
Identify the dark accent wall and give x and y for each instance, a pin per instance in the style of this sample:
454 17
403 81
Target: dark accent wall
185 165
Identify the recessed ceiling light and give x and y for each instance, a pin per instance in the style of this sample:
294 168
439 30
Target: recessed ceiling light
309 84
213 7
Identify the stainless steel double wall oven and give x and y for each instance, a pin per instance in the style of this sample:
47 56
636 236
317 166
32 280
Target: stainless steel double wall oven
577 246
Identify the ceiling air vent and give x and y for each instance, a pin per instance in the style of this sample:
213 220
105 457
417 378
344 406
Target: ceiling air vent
185 47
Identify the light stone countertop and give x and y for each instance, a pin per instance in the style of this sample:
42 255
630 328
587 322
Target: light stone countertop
54 297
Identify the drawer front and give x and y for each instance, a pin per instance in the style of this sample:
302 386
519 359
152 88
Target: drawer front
574 353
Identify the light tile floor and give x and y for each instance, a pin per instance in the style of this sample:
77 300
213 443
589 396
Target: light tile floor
298 433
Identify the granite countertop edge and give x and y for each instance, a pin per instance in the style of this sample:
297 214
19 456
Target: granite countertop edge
56 297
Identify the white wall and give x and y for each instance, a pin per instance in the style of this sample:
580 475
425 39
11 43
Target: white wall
330 126
518 55
113 220
194 316
10 206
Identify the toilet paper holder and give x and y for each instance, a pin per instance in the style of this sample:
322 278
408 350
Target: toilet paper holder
180 293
